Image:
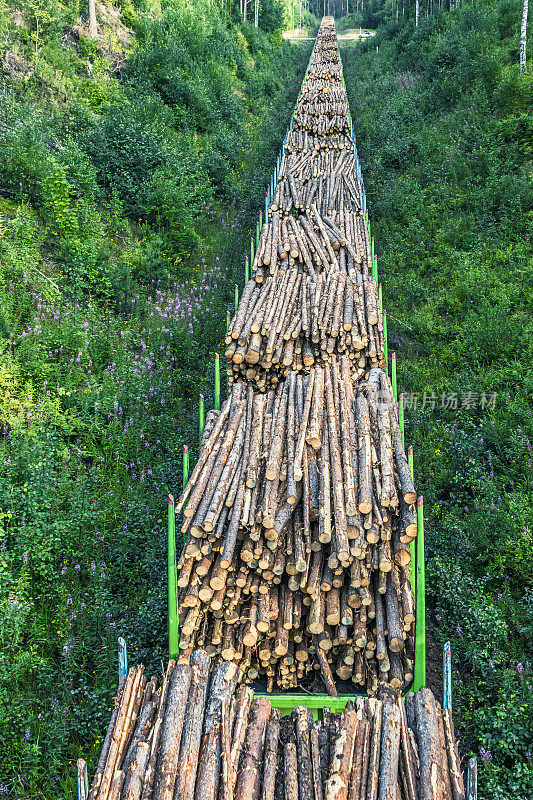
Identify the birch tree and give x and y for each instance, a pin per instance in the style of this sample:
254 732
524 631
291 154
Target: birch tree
523 37
93 29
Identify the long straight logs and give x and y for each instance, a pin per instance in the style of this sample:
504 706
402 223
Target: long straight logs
299 515
298 547
377 749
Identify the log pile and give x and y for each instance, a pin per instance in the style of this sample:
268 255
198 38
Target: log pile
291 323
323 178
313 243
298 141
194 736
298 518
300 511
316 229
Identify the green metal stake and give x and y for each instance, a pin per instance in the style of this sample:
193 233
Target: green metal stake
228 320
420 634
375 269
385 344
236 296
380 296
252 253
173 629
393 376
410 461
217 382
201 420
401 421
257 233
185 476
371 244
246 270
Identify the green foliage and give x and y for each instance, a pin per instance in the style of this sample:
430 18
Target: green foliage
270 15
443 146
353 20
125 155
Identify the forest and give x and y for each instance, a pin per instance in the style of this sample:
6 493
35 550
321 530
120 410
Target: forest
134 161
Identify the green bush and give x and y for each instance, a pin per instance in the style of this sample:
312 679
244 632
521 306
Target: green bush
126 155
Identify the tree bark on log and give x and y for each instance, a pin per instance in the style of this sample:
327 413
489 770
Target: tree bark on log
191 734
248 781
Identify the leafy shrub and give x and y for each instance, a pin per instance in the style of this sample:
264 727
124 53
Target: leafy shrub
125 155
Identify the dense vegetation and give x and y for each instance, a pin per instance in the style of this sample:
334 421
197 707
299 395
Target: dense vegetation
444 135
131 172
132 168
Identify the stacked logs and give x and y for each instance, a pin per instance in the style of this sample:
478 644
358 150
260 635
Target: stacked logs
309 177
299 514
298 141
290 322
193 737
315 242
298 518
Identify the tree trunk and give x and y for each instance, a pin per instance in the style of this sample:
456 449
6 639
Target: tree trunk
290 771
248 781
417 12
222 685
390 749
271 755
192 727
523 37
171 732
93 28
427 728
